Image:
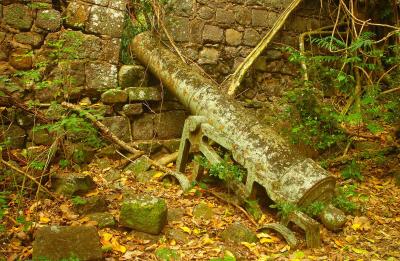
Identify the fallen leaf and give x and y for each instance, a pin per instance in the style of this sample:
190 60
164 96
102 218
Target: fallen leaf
186 229
157 175
351 239
116 246
361 223
106 236
44 220
359 251
94 193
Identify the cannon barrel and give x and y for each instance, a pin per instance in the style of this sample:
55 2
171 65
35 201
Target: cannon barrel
286 175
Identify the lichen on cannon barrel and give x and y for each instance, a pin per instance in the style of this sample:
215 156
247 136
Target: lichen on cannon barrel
286 175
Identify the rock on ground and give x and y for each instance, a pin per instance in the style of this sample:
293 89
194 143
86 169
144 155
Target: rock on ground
58 242
144 213
237 233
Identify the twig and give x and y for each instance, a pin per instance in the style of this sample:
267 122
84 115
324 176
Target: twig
233 204
390 91
237 77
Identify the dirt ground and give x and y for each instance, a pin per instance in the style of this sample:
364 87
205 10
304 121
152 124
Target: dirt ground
372 233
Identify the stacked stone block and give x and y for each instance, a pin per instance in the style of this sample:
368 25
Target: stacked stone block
219 34
74 51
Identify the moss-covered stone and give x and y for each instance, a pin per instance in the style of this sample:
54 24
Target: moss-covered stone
139 165
18 16
119 126
49 20
31 38
40 136
144 94
91 205
72 184
12 136
202 211
114 96
132 75
144 213
104 219
64 243
237 233
21 59
332 218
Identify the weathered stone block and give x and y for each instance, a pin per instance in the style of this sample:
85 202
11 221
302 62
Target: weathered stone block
260 17
143 94
209 56
98 2
119 126
30 38
101 76
243 15
63 243
13 136
40 136
225 16
178 27
80 153
196 30
132 109
132 75
49 20
105 21
114 96
77 14
213 34
21 59
143 127
138 166
144 213
91 205
118 4
110 50
251 37
181 7
206 12
169 125
72 184
103 219
233 37
237 233
18 16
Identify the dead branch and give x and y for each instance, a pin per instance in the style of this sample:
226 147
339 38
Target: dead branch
237 77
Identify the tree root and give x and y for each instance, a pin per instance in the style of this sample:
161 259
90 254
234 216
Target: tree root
237 77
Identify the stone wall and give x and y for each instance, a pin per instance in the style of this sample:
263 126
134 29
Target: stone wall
70 51
219 34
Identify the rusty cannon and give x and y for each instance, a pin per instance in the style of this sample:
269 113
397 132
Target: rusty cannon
268 159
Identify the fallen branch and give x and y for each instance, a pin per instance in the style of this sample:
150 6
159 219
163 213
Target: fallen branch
104 130
237 77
